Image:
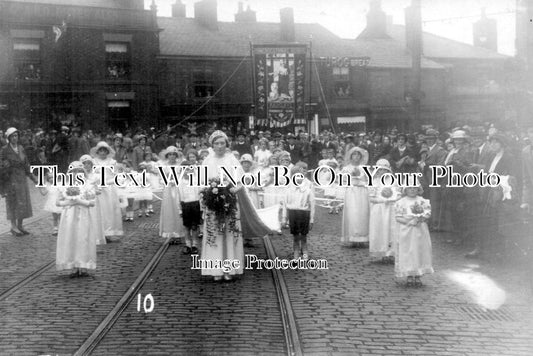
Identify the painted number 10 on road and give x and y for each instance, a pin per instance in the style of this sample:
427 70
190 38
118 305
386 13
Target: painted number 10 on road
147 303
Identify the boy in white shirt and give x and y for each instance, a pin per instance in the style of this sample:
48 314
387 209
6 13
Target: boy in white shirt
299 210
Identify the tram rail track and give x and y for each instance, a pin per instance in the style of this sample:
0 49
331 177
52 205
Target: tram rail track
287 316
288 320
26 280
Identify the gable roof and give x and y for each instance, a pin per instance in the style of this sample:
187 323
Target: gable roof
187 37
440 47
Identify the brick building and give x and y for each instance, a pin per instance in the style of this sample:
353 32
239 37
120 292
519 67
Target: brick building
349 82
95 64
112 63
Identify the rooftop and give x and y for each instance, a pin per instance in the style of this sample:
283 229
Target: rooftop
187 37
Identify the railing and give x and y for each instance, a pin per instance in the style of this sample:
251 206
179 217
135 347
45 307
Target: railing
48 14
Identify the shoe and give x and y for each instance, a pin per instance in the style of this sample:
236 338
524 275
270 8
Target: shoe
55 231
217 278
410 281
16 233
417 282
147 215
24 232
227 277
140 215
186 250
194 250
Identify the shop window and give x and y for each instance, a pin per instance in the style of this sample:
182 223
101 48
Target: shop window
118 60
27 59
119 110
203 83
341 78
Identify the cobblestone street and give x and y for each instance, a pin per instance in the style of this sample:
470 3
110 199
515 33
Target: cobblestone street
353 308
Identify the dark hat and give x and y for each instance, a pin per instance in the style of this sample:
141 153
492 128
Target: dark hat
500 138
432 133
186 163
290 135
402 135
277 135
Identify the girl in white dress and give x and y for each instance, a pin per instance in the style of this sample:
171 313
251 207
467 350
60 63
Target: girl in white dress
413 256
382 219
170 223
144 195
76 241
94 211
52 192
108 200
356 213
270 197
248 166
262 154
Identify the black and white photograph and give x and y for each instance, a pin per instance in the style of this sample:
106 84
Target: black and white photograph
266 177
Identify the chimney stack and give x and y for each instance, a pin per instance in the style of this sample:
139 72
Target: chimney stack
485 33
376 20
247 16
178 9
205 12
287 25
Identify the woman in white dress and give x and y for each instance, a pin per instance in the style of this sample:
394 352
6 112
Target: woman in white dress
108 199
170 222
226 243
95 212
356 213
76 240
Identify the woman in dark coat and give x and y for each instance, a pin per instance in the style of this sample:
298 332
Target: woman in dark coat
15 168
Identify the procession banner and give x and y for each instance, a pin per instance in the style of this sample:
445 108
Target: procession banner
279 85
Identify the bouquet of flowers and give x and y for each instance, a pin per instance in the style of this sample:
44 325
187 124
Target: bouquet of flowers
72 193
220 200
387 192
417 209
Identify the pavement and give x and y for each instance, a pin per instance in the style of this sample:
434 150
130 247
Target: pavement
468 307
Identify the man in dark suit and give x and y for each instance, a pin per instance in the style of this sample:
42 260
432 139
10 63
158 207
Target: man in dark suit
435 157
481 152
193 143
492 198
460 158
294 148
241 145
60 150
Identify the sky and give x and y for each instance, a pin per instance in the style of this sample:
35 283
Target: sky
347 18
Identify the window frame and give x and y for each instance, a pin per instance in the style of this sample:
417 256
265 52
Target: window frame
121 59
